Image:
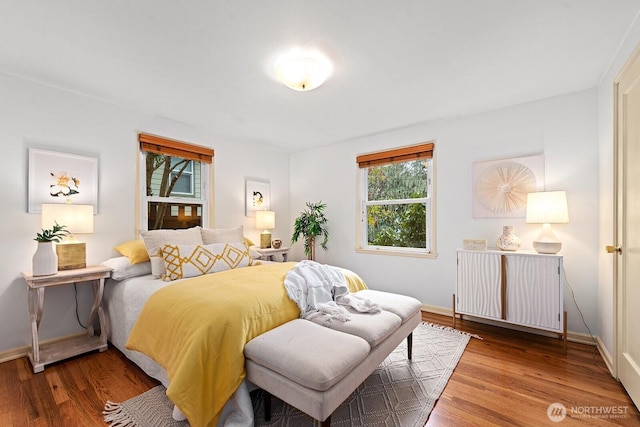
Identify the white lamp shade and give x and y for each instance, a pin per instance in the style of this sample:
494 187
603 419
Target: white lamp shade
303 70
77 218
265 220
547 207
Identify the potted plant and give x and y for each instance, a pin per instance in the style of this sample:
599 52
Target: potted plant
45 260
310 224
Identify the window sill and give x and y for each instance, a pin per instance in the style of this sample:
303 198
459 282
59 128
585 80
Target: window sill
429 255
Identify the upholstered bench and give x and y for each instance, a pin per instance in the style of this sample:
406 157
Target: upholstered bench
315 367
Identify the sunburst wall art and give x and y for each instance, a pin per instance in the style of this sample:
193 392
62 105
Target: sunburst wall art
500 187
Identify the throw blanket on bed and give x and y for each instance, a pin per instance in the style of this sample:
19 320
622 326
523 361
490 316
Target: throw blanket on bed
321 290
197 328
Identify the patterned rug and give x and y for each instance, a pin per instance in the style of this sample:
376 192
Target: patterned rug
400 392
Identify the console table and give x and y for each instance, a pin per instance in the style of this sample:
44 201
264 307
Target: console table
519 288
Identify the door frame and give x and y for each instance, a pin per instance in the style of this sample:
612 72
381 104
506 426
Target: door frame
618 183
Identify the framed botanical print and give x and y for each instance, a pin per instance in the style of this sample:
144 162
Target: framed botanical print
257 197
61 178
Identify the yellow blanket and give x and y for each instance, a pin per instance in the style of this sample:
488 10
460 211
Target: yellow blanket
196 329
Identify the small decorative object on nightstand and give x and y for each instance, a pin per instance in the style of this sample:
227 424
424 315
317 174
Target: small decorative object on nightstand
474 244
41 355
508 241
267 254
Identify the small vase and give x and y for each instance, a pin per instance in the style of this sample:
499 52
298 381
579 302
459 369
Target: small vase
508 241
45 260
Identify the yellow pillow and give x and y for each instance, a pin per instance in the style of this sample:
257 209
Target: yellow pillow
135 250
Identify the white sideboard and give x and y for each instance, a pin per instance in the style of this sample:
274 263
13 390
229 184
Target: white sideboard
519 288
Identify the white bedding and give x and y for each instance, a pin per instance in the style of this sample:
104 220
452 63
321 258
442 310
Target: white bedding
122 303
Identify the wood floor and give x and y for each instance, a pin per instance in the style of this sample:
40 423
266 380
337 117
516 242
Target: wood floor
506 379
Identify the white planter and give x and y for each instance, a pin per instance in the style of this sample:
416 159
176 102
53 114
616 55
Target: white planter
45 260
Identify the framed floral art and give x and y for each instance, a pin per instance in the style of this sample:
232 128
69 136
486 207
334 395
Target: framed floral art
61 178
257 196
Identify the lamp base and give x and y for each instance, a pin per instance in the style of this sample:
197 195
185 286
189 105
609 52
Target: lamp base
547 247
265 240
547 242
71 255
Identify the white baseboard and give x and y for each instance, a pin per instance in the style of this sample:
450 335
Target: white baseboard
17 353
436 310
13 354
606 356
571 336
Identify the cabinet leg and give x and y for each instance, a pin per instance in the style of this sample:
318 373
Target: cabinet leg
453 305
564 334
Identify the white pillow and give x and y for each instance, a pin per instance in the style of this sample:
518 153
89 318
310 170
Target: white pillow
123 269
222 235
182 261
154 240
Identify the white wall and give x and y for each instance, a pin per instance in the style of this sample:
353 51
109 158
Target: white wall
39 116
563 128
606 301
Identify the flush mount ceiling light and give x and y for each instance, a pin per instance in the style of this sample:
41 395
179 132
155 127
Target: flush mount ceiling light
303 70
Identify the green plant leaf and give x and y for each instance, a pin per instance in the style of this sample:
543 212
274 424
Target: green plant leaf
54 234
311 223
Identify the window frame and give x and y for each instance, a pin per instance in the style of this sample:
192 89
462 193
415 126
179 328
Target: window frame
422 151
160 145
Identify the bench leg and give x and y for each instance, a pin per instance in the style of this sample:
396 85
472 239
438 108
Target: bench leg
267 405
409 345
327 422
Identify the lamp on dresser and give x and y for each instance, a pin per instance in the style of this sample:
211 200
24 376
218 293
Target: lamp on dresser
546 208
267 221
78 219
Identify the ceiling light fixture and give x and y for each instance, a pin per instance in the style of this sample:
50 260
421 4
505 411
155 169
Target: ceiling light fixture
303 70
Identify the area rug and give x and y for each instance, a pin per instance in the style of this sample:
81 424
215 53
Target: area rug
400 392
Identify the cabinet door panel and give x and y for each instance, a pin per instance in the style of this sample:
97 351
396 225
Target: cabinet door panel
479 281
533 291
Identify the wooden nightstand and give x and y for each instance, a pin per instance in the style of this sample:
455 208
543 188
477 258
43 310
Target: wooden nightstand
41 355
267 254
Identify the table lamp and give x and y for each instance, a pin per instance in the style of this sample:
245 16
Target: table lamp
265 220
546 208
78 219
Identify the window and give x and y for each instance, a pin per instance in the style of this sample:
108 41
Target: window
183 178
174 177
396 200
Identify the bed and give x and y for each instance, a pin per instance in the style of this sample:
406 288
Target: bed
123 302
127 295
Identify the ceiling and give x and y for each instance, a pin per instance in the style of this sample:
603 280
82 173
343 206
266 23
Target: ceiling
396 63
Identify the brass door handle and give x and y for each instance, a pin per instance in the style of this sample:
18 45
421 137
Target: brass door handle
612 249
